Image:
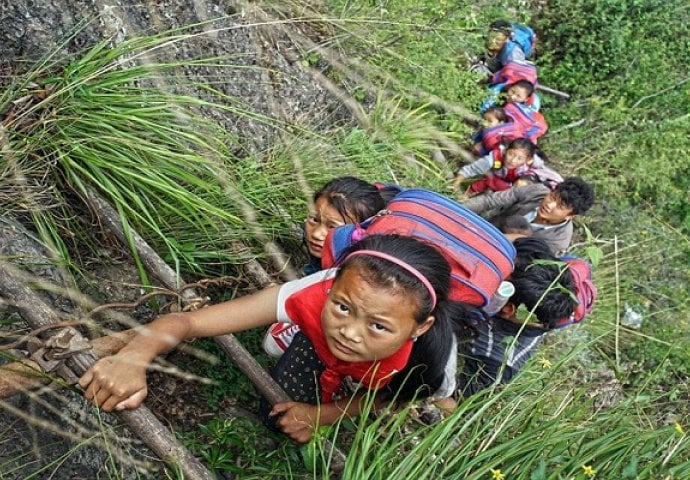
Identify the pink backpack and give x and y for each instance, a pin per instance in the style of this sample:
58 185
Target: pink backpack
532 123
502 133
480 256
513 72
585 290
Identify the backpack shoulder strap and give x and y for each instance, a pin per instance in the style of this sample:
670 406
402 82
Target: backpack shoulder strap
497 155
338 241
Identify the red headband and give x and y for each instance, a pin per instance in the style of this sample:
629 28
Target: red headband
404 265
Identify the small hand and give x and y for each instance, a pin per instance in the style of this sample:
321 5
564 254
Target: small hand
469 193
298 420
457 181
115 383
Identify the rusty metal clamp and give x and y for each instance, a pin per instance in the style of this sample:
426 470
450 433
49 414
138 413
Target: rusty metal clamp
53 354
195 303
190 304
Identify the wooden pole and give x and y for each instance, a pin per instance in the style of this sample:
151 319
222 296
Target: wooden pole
151 260
17 377
141 421
229 343
553 91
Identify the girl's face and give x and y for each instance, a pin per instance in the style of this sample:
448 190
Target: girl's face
364 322
517 94
516 157
320 220
490 119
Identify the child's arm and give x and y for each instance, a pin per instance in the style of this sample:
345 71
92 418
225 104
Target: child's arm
536 102
491 98
497 200
119 381
476 168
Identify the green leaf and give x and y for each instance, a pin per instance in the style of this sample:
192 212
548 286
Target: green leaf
630 470
540 472
595 254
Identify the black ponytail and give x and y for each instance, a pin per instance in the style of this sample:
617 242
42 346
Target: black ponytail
425 371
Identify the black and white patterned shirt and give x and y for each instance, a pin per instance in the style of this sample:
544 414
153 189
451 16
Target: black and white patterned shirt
498 351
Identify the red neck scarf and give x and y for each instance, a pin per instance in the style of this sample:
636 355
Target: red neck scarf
305 307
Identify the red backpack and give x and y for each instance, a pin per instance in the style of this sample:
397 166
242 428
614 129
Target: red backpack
502 133
513 72
480 256
532 123
585 290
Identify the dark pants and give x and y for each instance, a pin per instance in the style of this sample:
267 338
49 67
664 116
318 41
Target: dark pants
297 372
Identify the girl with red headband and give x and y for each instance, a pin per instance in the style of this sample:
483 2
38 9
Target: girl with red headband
381 318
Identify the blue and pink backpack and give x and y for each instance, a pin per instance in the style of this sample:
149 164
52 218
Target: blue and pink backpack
480 256
524 123
585 290
513 72
533 123
509 74
502 133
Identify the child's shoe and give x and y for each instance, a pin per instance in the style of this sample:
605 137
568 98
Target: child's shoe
278 338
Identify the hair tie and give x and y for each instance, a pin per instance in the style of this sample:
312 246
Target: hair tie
404 265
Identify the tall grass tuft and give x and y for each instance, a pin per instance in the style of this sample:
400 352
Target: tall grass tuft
541 426
102 122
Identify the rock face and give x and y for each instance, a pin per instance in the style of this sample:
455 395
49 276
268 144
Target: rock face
267 78
54 434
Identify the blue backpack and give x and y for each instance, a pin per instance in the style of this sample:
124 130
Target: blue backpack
479 255
524 37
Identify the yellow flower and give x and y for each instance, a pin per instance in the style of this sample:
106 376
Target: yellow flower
678 428
545 363
497 475
589 471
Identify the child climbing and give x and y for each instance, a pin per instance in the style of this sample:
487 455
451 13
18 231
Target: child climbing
544 286
518 89
502 167
541 284
522 92
341 201
509 42
378 317
550 212
491 118
492 135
